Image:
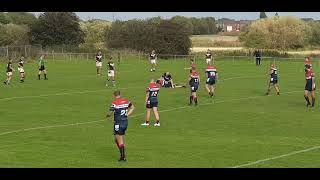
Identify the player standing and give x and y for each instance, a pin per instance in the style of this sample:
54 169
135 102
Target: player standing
194 80
307 64
111 72
99 62
258 57
153 60
310 87
9 70
152 102
209 57
42 68
21 69
121 109
273 79
212 78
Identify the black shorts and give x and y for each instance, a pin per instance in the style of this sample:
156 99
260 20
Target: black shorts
210 81
308 87
193 88
167 85
119 129
42 68
151 104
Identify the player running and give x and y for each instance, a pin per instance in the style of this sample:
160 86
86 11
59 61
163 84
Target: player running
42 68
152 102
212 78
153 60
310 87
273 79
99 63
9 70
209 57
111 72
194 80
121 109
21 69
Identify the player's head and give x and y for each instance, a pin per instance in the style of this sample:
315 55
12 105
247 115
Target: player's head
153 51
22 57
116 93
152 80
208 51
273 66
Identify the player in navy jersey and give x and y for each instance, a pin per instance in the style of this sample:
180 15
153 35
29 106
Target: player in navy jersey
121 108
273 79
166 81
152 102
310 87
153 60
194 80
209 57
99 62
111 72
9 70
21 69
212 78
257 54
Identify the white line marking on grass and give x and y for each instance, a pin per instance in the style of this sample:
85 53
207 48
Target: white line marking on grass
277 157
165 110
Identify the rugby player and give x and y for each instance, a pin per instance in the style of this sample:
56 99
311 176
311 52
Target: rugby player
21 69
166 81
9 70
212 78
152 102
273 79
99 62
209 57
194 80
111 72
307 64
121 108
153 60
310 87
258 57
42 68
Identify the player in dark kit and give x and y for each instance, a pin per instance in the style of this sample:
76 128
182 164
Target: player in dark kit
21 69
121 109
152 102
9 70
307 64
273 80
310 87
166 81
99 62
209 57
194 80
42 68
111 72
258 57
212 78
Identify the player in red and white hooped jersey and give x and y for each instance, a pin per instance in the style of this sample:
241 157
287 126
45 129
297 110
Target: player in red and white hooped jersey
307 64
194 80
211 79
121 108
152 102
310 87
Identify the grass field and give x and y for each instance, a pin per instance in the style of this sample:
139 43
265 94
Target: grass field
61 122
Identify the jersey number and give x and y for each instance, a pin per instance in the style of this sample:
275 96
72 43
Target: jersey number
154 94
124 112
196 80
212 73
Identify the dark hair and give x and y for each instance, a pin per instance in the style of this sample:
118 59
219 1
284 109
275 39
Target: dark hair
116 93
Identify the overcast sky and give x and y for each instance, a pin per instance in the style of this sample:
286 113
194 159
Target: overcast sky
232 15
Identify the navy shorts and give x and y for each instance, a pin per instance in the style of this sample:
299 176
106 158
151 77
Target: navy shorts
42 68
151 104
193 88
119 129
210 81
308 87
167 85
274 80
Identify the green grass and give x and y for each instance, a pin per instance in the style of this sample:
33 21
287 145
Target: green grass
238 126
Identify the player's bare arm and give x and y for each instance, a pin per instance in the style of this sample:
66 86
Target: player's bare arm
109 114
131 108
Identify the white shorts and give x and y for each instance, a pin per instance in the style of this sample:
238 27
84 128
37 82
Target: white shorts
21 70
208 60
111 73
9 73
98 64
153 61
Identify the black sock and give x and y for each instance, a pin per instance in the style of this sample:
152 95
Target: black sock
121 149
196 100
39 76
313 100
307 99
45 76
191 99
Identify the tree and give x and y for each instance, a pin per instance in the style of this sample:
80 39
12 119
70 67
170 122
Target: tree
3 18
277 14
13 34
263 15
183 21
57 28
23 18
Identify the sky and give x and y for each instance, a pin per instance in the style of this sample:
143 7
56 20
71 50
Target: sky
232 15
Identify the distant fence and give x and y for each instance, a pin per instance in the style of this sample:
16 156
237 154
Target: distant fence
14 52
